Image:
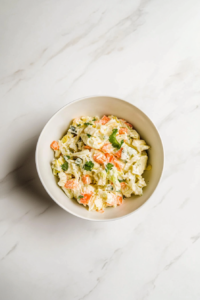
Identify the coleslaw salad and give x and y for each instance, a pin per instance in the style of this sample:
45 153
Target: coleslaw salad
100 161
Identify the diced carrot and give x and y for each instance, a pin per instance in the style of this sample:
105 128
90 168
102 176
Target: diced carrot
106 147
125 122
101 211
123 184
54 145
86 179
129 125
117 163
99 158
123 130
119 153
119 200
109 157
71 184
104 120
116 199
86 198
87 147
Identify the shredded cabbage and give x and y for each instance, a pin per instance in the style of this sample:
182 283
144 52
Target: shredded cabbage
100 161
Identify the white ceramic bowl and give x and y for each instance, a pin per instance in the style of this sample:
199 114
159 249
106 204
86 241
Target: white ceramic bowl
91 106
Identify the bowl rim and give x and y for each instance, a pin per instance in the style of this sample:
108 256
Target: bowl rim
44 185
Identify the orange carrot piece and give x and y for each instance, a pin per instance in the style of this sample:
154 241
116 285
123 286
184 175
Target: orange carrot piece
87 147
123 130
129 125
104 120
86 179
119 200
54 145
118 154
99 158
123 184
109 157
125 122
114 161
85 199
117 164
71 184
106 147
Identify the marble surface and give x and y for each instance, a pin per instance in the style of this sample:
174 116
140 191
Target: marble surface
147 52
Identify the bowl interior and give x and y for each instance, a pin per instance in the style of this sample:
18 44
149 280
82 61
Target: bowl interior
58 125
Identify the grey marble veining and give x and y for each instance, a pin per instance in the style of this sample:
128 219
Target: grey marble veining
147 52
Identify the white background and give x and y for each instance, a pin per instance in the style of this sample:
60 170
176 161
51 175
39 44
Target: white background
147 52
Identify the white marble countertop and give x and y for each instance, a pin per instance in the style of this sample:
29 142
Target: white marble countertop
147 52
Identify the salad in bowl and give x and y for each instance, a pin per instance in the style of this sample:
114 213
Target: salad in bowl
100 161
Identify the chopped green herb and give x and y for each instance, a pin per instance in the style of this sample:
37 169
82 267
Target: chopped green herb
113 140
65 166
79 125
66 157
87 124
94 120
72 129
121 180
109 166
80 197
88 166
89 135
